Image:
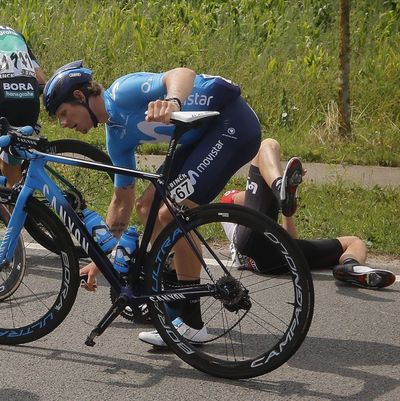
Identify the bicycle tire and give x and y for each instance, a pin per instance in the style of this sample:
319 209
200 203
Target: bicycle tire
241 343
11 274
49 286
88 183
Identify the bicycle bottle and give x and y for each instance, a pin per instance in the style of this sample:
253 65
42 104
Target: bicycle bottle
99 229
126 248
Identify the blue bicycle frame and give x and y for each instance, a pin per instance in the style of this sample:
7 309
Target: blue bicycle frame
37 179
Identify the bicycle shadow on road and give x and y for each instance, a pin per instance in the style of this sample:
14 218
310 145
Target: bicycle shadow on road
346 360
349 359
11 394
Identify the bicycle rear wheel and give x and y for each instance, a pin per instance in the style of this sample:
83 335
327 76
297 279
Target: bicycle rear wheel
47 290
255 322
94 186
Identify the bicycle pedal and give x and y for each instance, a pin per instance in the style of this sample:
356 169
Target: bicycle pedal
89 342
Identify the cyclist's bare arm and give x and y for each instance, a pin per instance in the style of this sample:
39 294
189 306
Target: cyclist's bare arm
179 84
120 209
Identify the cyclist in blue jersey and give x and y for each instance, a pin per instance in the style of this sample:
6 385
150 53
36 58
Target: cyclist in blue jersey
224 144
20 78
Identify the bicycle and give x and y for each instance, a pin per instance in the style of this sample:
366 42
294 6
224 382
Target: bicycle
255 323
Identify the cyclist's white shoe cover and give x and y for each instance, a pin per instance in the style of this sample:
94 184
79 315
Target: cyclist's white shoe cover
194 335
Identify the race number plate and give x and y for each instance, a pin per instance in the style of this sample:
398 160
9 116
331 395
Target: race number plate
16 64
181 188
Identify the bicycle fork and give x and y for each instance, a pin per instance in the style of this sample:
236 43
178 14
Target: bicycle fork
14 227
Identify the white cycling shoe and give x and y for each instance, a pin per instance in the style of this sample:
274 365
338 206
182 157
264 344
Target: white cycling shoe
196 336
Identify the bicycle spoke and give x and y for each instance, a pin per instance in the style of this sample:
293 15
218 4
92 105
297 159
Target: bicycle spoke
250 313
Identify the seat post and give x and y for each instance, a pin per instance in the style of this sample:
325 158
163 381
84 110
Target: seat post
178 132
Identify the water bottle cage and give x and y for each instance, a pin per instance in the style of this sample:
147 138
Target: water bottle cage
127 256
101 237
123 258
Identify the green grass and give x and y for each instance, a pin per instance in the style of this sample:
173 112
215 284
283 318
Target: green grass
335 210
284 54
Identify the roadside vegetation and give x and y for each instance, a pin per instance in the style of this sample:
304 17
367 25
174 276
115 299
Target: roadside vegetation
284 54
340 209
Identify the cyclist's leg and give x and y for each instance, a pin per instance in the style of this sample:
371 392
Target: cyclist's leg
11 274
353 247
351 266
282 183
265 172
258 196
10 168
268 162
321 253
231 140
265 168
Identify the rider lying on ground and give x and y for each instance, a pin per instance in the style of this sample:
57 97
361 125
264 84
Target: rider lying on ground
267 194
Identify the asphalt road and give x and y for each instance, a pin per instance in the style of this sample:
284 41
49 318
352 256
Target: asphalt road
352 352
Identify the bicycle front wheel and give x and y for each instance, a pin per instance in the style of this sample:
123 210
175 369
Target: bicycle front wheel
47 290
11 274
255 321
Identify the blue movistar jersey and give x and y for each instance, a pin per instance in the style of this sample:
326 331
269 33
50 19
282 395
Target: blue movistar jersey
126 102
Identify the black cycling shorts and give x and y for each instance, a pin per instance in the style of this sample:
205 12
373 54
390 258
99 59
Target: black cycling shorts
18 111
321 253
231 140
259 195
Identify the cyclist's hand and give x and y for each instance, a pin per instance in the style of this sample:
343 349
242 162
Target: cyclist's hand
88 277
161 110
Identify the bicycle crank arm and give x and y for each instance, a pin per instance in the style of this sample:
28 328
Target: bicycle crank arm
117 307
